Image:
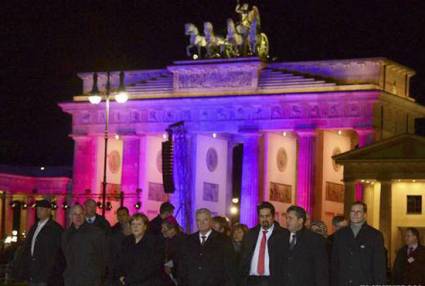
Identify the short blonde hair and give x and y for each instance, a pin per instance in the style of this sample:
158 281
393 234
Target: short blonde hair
140 216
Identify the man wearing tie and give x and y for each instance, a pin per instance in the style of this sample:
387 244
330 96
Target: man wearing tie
207 256
93 218
306 263
263 250
42 260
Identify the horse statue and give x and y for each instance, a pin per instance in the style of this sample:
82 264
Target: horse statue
255 43
234 41
258 42
195 40
214 43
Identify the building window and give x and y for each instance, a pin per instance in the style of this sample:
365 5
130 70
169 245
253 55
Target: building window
414 204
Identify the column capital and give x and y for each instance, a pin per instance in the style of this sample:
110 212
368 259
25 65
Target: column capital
364 130
306 132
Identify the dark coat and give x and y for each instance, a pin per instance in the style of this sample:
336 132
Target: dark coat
102 223
307 263
358 260
141 263
173 249
211 264
410 273
115 240
155 225
86 253
47 263
276 244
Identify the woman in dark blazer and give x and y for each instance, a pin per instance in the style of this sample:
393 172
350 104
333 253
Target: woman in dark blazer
409 265
140 259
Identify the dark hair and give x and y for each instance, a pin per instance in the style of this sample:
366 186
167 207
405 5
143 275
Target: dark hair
240 226
299 212
166 207
337 219
266 205
360 203
415 232
222 221
123 209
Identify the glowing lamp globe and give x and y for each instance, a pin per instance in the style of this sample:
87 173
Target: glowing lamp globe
121 97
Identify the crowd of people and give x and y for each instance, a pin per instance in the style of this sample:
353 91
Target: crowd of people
139 252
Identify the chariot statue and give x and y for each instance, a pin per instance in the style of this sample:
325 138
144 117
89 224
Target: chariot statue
244 38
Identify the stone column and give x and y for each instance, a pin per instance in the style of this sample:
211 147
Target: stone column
250 179
130 170
349 197
385 214
31 213
365 137
182 173
60 211
305 169
84 170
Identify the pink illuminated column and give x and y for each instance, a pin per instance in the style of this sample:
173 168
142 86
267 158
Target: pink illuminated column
130 170
84 163
365 137
305 169
31 214
250 181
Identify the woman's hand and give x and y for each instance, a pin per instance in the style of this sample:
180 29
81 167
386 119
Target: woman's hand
122 280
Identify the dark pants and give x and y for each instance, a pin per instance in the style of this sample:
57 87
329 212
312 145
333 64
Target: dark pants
258 281
37 284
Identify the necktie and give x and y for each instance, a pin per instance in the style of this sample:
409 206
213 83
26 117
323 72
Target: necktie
262 254
292 241
409 251
203 239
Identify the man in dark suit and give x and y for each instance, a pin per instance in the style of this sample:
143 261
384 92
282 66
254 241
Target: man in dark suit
358 252
85 250
409 265
263 249
42 260
306 262
93 218
207 256
338 222
165 210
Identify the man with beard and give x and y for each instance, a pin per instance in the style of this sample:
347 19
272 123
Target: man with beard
263 250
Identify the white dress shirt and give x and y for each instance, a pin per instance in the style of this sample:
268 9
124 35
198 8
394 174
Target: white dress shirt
40 225
254 261
206 236
91 219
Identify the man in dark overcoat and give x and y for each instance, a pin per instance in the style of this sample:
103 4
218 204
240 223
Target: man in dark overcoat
85 250
41 257
358 252
207 256
306 262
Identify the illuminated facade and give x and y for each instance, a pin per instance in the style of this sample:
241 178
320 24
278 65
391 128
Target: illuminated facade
291 118
392 172
21 187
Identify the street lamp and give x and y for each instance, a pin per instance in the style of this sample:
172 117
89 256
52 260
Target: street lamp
121 96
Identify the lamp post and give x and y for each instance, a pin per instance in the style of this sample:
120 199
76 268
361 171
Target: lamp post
121 96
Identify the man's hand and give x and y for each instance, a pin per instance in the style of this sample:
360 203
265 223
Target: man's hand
122 280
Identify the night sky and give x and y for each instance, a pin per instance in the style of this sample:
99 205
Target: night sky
45 43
